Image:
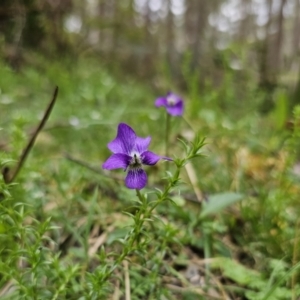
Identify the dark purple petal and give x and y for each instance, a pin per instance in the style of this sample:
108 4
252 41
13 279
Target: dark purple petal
150 158
142 144
136 179
176 110
125 140
161 101
117 161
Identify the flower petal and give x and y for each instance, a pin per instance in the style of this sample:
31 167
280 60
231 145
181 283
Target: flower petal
117 161
136 179
142 144
149 158
176 110
161 101
125 140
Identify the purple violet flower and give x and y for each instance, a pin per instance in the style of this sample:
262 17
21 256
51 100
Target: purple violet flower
172 102
130 153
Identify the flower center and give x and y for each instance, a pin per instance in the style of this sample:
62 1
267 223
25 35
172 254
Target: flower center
171 100
136 161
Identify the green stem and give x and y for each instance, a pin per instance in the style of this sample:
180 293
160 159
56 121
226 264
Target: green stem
207 253
165 194
140 196
134 236
167 138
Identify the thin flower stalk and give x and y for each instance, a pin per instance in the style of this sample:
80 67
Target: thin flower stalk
174 106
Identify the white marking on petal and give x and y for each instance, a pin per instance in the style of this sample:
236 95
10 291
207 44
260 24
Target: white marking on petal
136 161
172 100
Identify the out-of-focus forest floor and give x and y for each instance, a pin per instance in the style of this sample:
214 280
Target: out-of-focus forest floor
247 250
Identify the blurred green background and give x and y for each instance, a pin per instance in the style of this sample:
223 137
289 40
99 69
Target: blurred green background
194 44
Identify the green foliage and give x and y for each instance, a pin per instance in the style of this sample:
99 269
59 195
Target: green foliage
257 286
67 228
281 109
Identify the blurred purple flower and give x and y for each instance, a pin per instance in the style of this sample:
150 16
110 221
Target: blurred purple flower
130 153
172 102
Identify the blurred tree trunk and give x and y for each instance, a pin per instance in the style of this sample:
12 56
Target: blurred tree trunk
292 59
264 49
108 26
101 15
7 19
296 52
296 28
52 13
196 19
170 40
266 83
147 66
17 19
12 24
117 27
108 30
276 63
245 24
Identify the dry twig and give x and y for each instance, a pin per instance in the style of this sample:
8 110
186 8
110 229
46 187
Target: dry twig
6 172
127 280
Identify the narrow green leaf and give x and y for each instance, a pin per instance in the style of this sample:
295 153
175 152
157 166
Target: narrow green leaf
238 273
217 203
